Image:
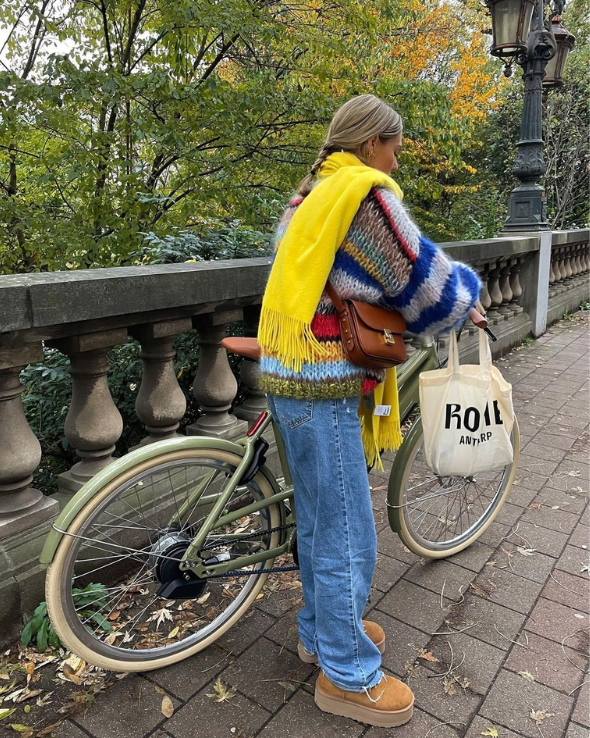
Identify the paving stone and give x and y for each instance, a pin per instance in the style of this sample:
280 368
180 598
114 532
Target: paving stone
473 659
541 539
402 642
69 729
556 622
525 562
576 731
413 605
568 590
541 467
512 698
575 561
564 440
481 727
203 715
278 603
495 534
434 574
474 557
252 625
285 632
458 708
141 714
421 724
390 544
521 496
508 589
581 713
548 662
509 514
186 677
300 718
529 479
486 620
580 537
544 451
558 520
387 572
563 500
262 672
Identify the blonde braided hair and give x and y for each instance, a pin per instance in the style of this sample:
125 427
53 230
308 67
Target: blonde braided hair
353 125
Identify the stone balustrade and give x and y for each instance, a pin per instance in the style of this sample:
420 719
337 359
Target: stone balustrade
568 272
84 314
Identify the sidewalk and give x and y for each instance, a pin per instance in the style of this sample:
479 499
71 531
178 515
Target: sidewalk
493 641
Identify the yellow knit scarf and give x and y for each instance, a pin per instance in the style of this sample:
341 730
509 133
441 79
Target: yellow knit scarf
298 277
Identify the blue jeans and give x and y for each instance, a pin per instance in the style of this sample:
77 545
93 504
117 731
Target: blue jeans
336 537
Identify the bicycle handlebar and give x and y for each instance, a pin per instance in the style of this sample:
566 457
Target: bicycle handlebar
478 319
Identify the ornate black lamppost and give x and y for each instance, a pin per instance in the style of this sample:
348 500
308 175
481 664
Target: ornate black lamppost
521 34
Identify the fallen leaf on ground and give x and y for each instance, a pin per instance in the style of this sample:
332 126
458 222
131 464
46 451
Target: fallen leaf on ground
221 692
167 707
5 712
492 732
25 730
526 551
539 715
526 675
427 655
28 694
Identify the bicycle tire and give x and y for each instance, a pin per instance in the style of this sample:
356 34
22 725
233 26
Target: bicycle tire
58 584
398 504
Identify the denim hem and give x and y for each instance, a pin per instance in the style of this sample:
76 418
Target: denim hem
347 688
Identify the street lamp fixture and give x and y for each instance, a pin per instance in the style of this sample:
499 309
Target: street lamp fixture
521 35
564 41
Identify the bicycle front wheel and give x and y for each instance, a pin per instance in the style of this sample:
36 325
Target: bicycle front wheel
438 516
102 585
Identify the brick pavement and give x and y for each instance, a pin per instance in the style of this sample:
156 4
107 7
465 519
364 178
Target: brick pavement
513 626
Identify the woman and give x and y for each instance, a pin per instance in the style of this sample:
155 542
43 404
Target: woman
347 224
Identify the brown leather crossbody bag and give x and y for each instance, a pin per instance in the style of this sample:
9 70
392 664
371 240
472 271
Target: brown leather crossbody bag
372 336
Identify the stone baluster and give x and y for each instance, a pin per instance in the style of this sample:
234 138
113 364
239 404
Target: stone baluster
215 385
484 297
561 269
21 506
575 260
494 315
255 400
568 267
586 259
160 403
552 273
515 285
505 289
93 423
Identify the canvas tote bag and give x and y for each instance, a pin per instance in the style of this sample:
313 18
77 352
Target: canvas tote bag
467 415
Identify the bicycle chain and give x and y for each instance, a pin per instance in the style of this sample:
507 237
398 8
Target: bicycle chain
271 570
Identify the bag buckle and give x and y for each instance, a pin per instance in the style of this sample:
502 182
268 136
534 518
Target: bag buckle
388 337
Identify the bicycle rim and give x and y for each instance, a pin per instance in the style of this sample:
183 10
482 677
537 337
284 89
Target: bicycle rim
440 516
102 585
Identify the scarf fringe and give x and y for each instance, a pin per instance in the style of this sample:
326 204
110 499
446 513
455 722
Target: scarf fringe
390 438
290 338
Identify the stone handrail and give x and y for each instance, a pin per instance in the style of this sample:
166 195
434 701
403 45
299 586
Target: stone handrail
84 314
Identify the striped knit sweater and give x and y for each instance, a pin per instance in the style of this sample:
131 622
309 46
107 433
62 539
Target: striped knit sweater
383 260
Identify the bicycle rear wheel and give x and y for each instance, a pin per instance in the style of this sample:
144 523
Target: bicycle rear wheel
102 585
436 516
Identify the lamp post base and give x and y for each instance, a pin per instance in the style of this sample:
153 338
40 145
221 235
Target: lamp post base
527 209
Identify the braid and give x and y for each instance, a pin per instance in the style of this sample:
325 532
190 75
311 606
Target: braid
306 184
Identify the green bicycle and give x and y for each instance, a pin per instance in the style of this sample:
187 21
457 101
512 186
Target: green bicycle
180 536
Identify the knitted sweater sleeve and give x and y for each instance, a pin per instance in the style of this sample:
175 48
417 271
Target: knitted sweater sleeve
432 292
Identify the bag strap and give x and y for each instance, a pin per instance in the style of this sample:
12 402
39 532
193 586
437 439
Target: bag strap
453 359
338 304
485 354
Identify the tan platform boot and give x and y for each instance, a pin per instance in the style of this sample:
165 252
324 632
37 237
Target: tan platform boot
386 705
374 631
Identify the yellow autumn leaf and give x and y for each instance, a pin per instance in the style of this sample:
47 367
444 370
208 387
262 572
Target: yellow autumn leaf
174 632
492 732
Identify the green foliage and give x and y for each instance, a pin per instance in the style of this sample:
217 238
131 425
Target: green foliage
87 601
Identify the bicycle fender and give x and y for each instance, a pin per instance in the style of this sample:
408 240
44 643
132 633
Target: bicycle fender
397 470
117 467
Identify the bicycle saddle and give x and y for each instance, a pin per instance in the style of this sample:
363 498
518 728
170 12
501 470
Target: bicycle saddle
247 347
